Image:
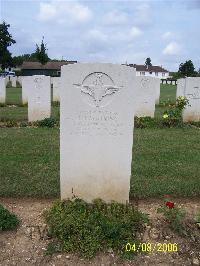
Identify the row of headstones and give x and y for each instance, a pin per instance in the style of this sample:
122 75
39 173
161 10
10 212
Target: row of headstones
13 80
98 104
36 92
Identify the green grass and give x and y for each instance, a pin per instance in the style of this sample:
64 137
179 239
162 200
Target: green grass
29 162
14 95
165 161
167 93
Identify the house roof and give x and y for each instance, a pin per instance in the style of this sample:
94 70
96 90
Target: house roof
148 68
51 65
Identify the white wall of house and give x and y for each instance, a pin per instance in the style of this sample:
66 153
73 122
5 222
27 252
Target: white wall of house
160 75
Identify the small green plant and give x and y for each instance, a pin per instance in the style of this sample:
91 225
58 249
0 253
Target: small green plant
11 123
173 116
173 215
146 122
86 229
197 219
47 122
8 221
56 104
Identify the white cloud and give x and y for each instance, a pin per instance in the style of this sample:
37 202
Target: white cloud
143 15
173 48
115 17
64 12
135 32
97 35
167 35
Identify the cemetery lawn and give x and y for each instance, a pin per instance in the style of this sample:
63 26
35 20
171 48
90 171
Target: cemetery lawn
165 161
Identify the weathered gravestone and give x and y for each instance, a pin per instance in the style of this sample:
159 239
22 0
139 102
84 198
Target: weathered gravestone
2 90
39 97
180 87
56 81
13 81
96 137
148 93
157 88
190 88
25 85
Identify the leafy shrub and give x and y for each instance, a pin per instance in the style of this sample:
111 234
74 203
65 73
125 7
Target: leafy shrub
56 104
173 116
85 228
11 123
47 122
197 219
174 216
24 124
8 221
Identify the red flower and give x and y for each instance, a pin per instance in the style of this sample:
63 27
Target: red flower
169 204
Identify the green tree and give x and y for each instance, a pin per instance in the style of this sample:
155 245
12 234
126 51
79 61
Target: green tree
148 62
18 60
5 41
187 69
41 53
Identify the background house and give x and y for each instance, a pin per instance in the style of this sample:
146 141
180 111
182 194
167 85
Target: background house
152 71
51 68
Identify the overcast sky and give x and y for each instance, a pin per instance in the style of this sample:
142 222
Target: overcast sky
108 31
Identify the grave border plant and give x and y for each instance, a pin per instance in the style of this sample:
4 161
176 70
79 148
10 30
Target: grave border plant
8 220
174 216
86 229
173 115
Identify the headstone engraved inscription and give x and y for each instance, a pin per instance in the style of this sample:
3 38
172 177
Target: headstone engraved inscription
96 136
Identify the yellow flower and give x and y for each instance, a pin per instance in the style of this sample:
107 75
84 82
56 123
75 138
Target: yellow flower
165 116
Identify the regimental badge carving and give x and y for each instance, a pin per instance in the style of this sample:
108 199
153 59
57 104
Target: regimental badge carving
38 82
97 87
195 94
144 83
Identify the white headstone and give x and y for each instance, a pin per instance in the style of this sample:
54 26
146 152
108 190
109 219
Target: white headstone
7 80
180 87
96 136
39 98
25 86
157 88
56 88
13 80
2 90
190 88
147 89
